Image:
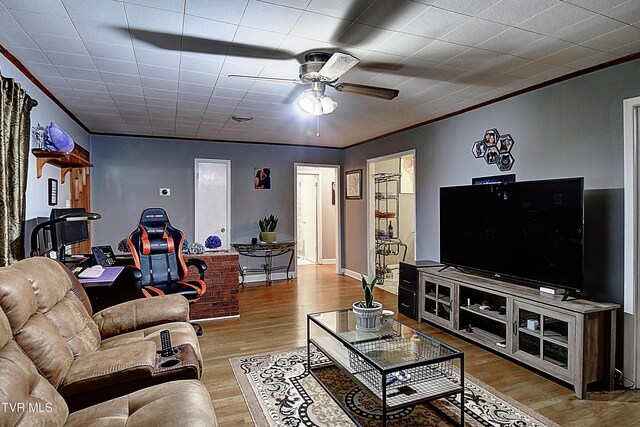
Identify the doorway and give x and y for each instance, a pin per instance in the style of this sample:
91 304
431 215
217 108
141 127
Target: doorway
307 227
391 216
316 215
212 200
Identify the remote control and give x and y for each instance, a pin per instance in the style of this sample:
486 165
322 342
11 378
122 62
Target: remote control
165 339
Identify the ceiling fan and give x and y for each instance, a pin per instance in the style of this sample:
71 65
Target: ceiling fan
321 69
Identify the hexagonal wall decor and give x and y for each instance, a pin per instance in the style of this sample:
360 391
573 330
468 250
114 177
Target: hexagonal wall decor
478 149
495 149
505 142
491 137
491 156
505 161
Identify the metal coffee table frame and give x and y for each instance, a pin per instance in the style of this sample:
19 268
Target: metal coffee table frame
266 251
372 359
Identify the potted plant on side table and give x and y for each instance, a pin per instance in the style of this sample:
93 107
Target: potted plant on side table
368 312
268 228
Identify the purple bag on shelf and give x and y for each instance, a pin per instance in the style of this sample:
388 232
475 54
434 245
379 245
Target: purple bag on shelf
55 139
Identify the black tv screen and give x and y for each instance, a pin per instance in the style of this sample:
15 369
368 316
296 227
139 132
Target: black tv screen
532 231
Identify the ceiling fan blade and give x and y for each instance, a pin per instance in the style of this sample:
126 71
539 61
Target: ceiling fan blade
268 79
170 41
374 91
337 65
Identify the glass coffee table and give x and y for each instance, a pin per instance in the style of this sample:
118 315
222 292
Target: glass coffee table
398 365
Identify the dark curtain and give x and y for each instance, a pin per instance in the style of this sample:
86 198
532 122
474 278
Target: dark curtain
15 122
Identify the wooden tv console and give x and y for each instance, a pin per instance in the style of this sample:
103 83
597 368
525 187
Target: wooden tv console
573 341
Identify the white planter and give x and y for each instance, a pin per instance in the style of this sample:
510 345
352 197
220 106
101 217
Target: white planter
367 319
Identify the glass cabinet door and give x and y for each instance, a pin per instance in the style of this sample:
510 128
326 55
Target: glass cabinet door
437 302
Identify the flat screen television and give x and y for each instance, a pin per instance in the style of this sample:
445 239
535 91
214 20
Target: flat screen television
531 231
68 232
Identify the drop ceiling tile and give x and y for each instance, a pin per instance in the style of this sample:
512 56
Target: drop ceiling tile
162 73
189 106
391 14
171 5
319 27
68 60
121 79
128 99
220 109
588 29
91 95
52 81
119 67
403 44
41 24
271 87
552 73
571 54
157 57
343 9
614 39
185 89
628 12
466 7
530 69
110 51
440 51
627 49
270 17
590 61
230 11
99 11
42 70
556 18
473 58
124 89
434 23
260 96
72 45
597 5
166 85
79 73
229 93
222 101
16 39
540 48
364 36
49 7
7 21
509 40
63 92
151 19
200 65
163 111
87 85
133 110
90 31
513 12
192 77
474 32
504 63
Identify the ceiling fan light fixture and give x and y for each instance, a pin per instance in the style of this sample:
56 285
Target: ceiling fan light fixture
328 104
314 103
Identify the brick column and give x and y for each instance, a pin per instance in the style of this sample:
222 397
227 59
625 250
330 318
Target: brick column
221 277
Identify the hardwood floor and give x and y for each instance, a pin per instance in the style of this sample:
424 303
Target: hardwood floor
274 318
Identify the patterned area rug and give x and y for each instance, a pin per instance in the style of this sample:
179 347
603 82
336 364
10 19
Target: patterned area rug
279 392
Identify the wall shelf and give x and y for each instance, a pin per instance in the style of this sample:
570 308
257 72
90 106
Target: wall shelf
65 161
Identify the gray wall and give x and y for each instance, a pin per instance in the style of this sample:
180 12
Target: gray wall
128 172
573 128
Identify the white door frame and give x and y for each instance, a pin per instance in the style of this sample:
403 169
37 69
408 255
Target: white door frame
195 195
371 241
631 317
318 207
338 208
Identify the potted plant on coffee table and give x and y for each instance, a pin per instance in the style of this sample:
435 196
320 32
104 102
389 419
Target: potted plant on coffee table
268 228
368 312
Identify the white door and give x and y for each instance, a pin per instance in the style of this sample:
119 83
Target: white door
212 200
308 217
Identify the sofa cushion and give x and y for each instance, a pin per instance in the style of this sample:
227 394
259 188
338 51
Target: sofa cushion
178 403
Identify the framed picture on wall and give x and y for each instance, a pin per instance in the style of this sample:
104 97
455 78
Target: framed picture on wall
354 184
53 192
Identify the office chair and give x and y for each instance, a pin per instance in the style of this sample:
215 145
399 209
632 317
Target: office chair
156 247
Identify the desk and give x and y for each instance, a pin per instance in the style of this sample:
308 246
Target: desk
266 251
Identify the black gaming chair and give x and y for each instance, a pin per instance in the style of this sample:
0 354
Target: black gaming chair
156 247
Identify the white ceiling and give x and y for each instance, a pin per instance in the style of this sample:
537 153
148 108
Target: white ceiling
159 67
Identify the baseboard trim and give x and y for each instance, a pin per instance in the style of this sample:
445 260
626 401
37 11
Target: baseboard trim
210 319
329 261
263 277
352 274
